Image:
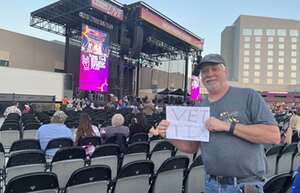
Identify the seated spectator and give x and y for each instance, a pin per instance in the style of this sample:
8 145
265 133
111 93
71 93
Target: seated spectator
295 123
86 129
117 127
55 129
14 108
296 183
27 109
139 124
148 108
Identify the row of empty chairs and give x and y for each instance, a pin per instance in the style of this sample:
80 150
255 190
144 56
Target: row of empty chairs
282 159
172 177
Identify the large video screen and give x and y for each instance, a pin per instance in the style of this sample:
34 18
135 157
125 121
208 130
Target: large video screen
93 59
195 88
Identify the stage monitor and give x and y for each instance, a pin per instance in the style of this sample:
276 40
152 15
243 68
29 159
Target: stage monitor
195 90
94 59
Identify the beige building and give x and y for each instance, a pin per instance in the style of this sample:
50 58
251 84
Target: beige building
263 53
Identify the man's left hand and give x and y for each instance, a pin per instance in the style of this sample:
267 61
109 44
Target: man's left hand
214 124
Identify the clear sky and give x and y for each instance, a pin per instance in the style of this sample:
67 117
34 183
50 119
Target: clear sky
206 19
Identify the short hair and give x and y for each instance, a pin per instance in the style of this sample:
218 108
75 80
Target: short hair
59 117
117 120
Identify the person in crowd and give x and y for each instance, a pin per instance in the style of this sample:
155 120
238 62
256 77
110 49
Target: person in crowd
14 108
26 109
53 130
116 127
149 107
296 183
139 123
86 129
295 123
234 156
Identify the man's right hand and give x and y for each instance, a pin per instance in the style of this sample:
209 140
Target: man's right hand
162 127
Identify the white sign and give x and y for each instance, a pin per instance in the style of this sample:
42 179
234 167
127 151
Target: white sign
187 123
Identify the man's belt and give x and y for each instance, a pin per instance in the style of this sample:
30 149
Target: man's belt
233 180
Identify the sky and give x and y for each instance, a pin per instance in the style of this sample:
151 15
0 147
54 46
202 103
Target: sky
206 19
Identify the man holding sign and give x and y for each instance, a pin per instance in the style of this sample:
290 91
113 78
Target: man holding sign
239 124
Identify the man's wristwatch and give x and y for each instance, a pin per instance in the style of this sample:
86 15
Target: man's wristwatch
232 127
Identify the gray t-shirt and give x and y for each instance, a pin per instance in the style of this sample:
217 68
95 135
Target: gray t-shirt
228 155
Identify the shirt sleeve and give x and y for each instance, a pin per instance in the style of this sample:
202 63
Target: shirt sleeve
258 109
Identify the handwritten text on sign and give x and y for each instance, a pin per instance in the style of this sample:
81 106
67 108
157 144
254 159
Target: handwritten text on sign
187 123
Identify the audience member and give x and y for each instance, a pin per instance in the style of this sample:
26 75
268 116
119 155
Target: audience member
14 108
53 130
116 127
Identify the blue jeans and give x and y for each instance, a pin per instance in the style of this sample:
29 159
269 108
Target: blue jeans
212 186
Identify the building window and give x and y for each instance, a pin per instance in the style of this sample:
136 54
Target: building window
270 60
281 39
246 66
294 40
270 53
294 53
280 81
4 63
280 74
281 60
257 46
293 74
281 46
258 39
270 46
270 67
294 32
293 60
256 73
247 39
256 80
294 46
246 52
257 53
258 32
293 67
245 80
293 82
281 32
270 39
281 53
281 67
257 60
269 81
269 74
247 46
270 32
246 73
256 67
246 59
247 32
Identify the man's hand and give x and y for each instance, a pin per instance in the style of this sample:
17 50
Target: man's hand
214 124
162 127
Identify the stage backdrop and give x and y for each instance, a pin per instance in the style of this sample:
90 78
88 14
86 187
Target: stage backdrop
93 59
195 90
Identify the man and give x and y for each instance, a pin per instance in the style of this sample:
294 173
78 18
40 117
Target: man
240 123
14 108
55 129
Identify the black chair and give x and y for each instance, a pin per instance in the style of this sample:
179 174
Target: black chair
136 151
41 182
65 161
278 184
161 151
26 161
169 177
92 140
25 144
195 177
272 159
134 177
118 139
138 137
58 143
90 179
107 154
